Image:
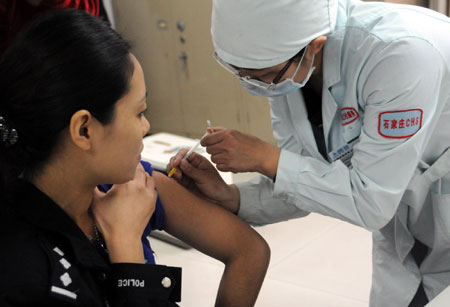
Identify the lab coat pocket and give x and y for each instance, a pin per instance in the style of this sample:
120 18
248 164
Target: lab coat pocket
409 210
428 182
439 175
417 190
440 198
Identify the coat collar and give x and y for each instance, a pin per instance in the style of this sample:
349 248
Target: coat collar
332 70
39 210
333 49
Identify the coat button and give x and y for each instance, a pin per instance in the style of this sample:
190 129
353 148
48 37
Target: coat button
166 282
102 276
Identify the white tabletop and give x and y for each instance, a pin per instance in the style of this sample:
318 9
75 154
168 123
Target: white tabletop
442 300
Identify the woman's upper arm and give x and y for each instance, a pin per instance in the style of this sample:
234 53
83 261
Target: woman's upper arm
204 225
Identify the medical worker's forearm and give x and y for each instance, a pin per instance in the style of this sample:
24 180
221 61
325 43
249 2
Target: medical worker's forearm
231 199
269 161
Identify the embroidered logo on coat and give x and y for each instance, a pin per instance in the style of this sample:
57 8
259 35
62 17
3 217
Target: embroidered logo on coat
400 124
348 115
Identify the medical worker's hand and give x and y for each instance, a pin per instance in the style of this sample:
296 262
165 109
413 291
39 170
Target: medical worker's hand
199 176
237 152
122 215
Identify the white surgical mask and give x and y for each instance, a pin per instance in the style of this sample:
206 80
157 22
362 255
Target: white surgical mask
259 88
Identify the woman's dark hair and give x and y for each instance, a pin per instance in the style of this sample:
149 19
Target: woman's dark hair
64 61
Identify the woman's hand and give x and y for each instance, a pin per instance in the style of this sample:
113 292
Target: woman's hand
122 215
237 152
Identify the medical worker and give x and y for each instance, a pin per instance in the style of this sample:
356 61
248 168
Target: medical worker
360 104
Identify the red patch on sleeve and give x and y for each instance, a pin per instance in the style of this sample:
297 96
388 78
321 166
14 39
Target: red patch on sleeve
400 124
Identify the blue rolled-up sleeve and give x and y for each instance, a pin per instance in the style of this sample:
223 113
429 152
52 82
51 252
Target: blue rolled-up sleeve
157 220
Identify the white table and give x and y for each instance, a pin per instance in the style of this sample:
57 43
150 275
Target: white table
442 300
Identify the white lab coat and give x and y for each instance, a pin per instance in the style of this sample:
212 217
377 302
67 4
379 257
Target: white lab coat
386 62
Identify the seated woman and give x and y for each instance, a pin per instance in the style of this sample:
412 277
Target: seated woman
72 103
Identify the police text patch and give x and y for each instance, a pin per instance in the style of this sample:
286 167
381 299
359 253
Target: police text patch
400 124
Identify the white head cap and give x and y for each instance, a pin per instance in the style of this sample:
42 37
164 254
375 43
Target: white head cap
263 33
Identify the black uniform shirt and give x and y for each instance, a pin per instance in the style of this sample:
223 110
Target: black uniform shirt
46 260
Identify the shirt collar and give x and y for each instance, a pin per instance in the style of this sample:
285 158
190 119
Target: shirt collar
41 211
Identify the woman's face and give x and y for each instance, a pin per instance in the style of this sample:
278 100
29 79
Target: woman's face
121 144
